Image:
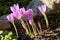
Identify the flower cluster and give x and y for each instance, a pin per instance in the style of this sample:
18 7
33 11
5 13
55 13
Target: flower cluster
20 13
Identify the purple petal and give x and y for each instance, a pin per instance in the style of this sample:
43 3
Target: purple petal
22 11
10 17
29 15
42 8
17 15
14 8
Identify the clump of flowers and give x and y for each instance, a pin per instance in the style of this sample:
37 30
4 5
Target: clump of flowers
26 18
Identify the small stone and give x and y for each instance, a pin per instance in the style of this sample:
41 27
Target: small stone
4 25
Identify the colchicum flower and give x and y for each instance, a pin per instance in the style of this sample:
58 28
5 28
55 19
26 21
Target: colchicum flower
10 18
29 15
42 9
15 13
22 11
15 9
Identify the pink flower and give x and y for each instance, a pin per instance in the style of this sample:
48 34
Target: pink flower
29 15
17 12
17 15
22 11
10 18
14 8
42 8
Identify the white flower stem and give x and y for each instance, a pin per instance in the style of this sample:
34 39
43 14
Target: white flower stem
24 26
36 27
15 29
46 19
40 28
28 27
34 30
